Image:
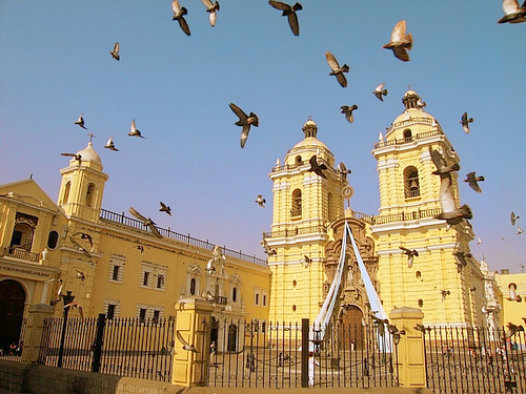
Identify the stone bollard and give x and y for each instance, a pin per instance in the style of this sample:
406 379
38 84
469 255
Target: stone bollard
411 352
33 333
192 350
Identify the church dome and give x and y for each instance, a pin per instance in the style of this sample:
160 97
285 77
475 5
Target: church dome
413 117
309 146
89 154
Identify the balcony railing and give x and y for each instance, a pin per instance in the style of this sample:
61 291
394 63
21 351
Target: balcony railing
21 254
295 231
120 218
407 140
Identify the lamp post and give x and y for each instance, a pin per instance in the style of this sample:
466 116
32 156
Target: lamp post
67 299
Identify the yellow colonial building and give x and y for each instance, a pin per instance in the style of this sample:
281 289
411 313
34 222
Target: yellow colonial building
118 265
111 263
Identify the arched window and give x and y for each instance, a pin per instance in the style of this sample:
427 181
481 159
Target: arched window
408 136
52 240
411 182
65 197
90 195
296 203
297 160
234 294
192 286
232 338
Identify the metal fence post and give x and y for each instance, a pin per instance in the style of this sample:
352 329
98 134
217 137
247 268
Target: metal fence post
304 352
97 346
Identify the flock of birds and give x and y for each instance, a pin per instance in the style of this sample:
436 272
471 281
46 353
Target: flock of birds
400 43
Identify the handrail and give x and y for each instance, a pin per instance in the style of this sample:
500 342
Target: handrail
407 140
120 218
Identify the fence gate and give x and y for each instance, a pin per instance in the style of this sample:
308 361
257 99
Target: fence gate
475 360
270 355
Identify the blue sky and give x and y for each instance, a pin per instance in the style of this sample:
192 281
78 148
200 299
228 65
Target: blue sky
55 64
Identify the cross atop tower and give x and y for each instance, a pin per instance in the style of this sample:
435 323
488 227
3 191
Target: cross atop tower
91 136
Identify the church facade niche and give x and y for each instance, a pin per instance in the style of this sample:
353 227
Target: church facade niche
352 309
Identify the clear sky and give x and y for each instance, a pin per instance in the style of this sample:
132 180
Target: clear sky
55 64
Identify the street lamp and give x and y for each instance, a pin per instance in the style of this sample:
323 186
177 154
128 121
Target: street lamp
67 299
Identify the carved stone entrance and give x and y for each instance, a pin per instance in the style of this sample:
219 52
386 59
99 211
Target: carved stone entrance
12 300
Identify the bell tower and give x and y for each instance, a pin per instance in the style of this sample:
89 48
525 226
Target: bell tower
436 281
303 204
82 185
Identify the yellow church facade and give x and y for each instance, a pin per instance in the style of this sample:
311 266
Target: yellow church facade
113 263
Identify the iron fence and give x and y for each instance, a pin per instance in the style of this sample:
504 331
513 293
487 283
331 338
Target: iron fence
281 355
475 360
120 346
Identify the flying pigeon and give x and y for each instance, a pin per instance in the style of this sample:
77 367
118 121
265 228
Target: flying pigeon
465 121
461 259
115 53
212 11
260 200
410 255
513 329
513 296
337 71
306 261
179 13
165 208
514 218
186 345
450 213
79 247
147 222
81 276
343 170
244 121
345 109
442 168
268 250
85 236
519 230
75 305
512 12
290 12
134 131
80 122
444 294
379 92
473 180
139 247
77 156
400 41
317 168
110 145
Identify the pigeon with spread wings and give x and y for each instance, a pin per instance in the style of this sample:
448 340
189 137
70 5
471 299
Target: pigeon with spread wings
80 247
212 9
290 12
77 156
245 121
165 208
410 255
347 110
473 181
186 345
111 145
134 131
465 121
400 41
146 221
512 12
379 92
115 53
179 13
450 213
317 168
80 122
337 71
